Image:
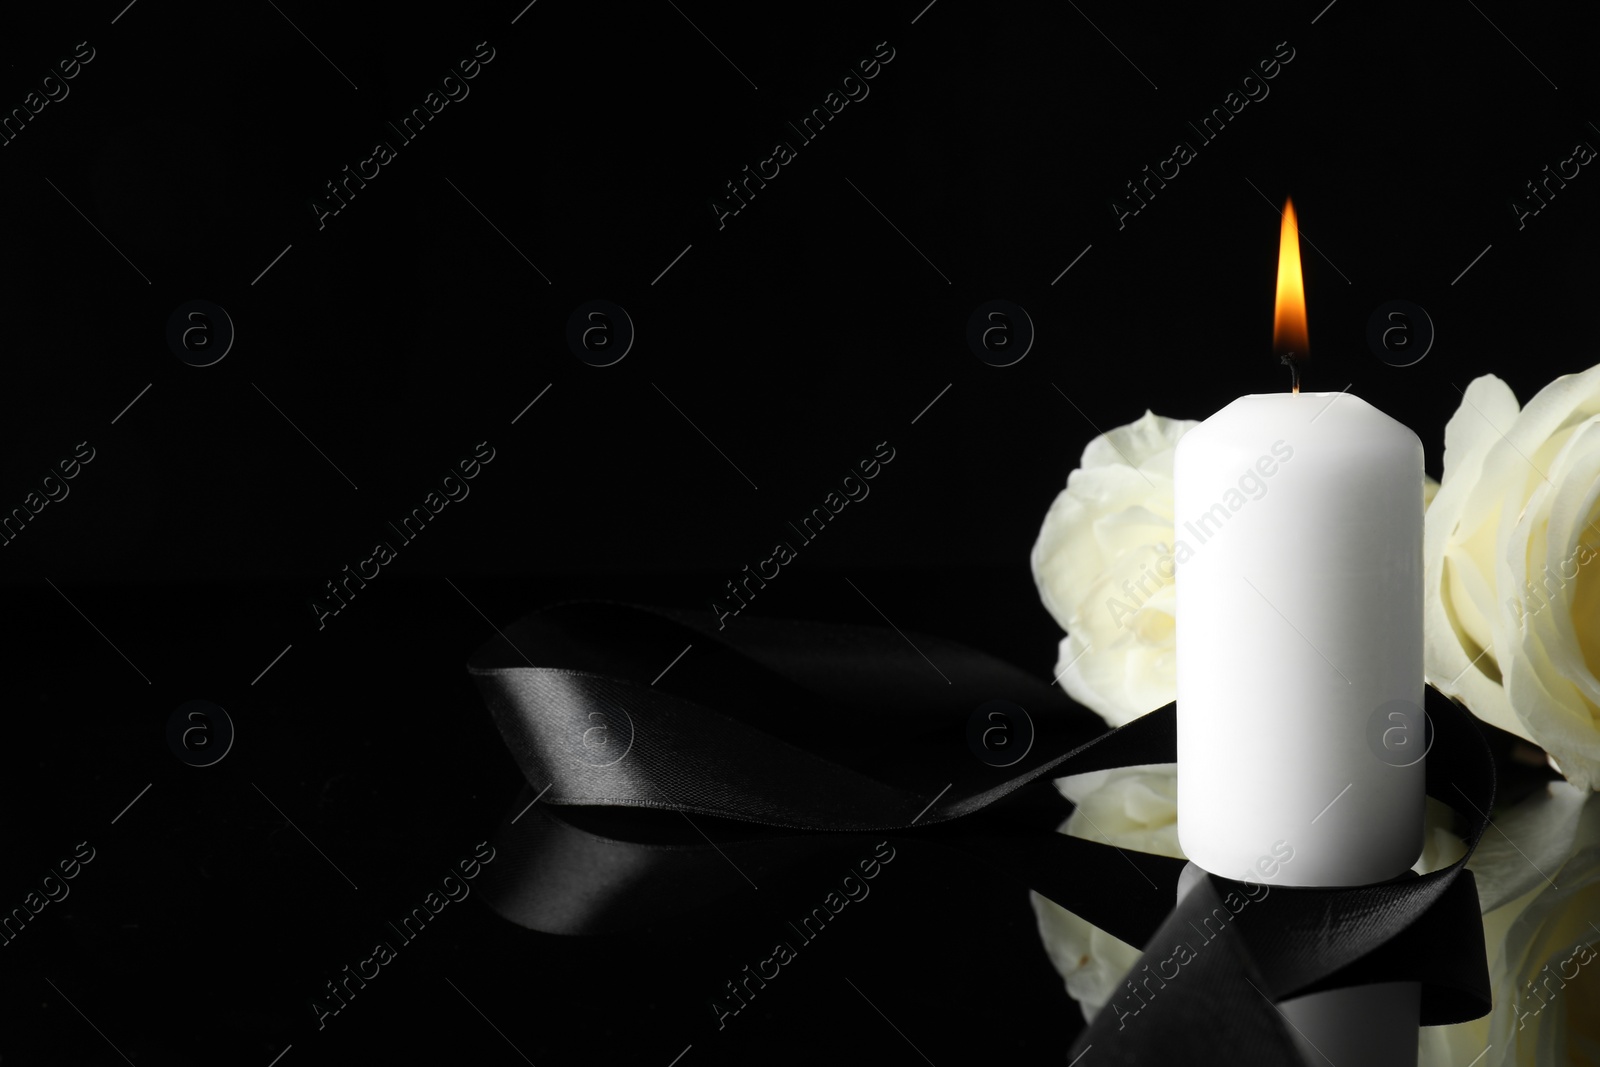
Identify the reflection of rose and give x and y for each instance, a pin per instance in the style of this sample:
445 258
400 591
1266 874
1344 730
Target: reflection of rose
1134 808
1105 535
1544 974
1512 598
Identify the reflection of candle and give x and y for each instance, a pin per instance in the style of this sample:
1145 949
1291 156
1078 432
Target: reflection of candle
1299 627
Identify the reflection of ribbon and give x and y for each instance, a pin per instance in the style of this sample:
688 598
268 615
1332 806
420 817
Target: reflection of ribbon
787 740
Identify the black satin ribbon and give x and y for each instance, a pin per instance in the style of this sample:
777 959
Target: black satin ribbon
787 740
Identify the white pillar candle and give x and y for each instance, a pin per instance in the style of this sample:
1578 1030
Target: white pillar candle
1298 530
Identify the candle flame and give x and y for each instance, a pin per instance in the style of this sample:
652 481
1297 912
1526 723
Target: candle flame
1289 333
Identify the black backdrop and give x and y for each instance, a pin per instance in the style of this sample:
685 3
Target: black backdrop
771 352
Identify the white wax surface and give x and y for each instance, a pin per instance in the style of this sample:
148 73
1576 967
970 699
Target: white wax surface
1299 621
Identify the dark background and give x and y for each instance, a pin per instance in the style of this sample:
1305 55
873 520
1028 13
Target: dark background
820 320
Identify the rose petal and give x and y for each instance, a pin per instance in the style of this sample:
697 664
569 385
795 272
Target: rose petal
1450 602
1118 683
1091 962
1529 842
1440 846
1551 686
1132 445
1128 807
1487 402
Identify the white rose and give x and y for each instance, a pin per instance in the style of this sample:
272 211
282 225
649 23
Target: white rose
1512 603
1102 568
1544 976
1097 566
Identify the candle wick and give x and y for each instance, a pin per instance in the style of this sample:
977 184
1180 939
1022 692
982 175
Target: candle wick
1290 360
